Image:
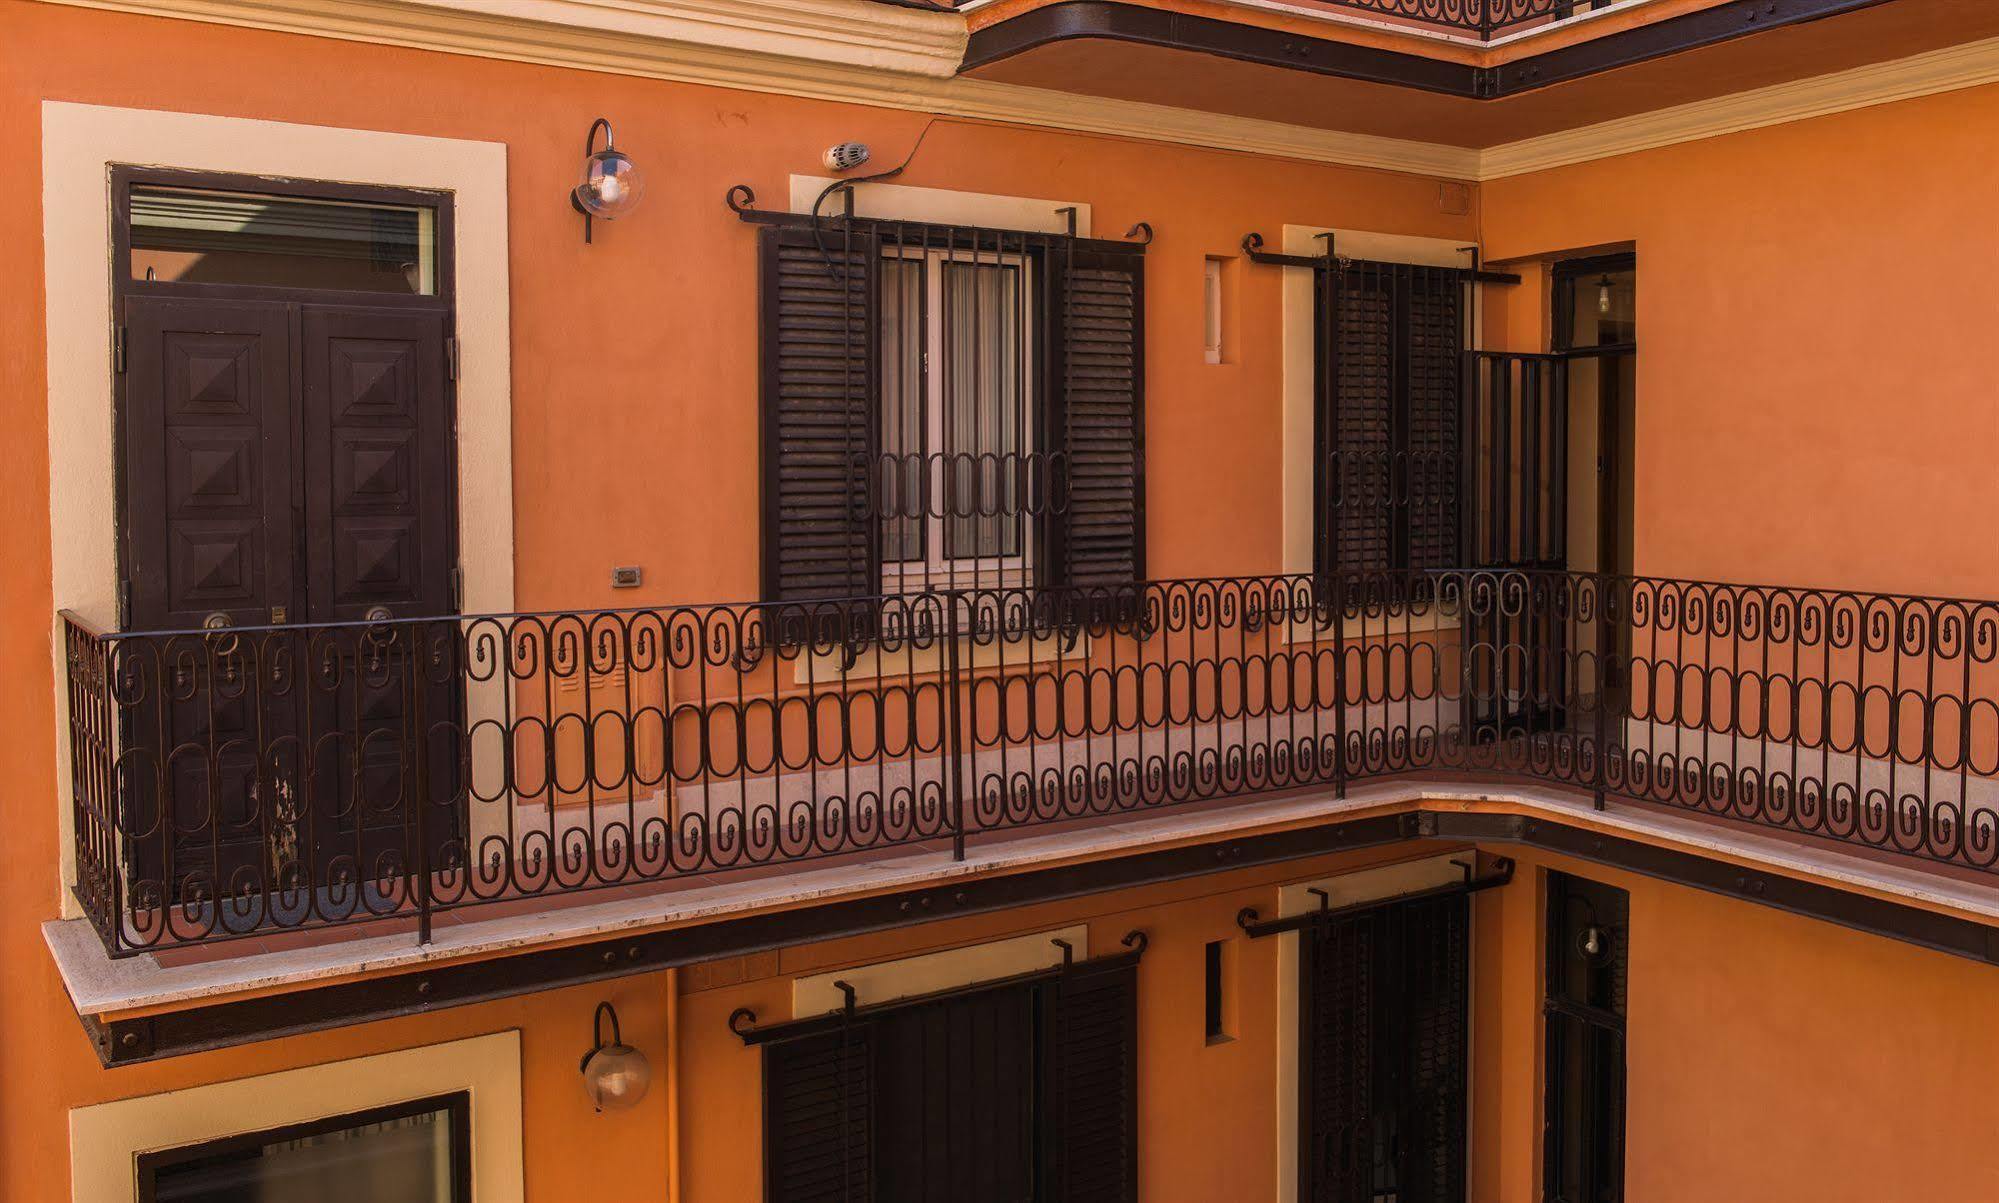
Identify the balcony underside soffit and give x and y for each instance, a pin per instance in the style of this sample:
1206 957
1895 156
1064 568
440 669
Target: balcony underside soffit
143 1009
1400 87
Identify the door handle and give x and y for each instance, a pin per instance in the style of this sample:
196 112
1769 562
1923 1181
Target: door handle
378 614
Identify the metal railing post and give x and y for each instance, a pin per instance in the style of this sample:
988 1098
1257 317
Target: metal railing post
954 749
1339 617
1603 672
419 727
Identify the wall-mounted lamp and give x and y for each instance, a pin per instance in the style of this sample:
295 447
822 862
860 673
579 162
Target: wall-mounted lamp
612 184
615 1075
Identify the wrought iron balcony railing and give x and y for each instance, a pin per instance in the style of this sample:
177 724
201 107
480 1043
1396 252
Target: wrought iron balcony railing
1483 19
1486 19
231 782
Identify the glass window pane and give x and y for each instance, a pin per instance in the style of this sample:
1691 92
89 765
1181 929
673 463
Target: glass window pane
1603 309
899 479
406 1159
984 408
202 237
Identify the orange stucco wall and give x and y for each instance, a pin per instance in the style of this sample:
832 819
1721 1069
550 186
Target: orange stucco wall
635 429
1770 1057
1814 405
1815 398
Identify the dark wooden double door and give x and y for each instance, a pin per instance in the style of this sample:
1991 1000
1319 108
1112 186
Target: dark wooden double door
1383 1035
284 463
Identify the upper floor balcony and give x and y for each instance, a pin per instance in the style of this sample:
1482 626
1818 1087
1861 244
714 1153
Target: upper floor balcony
233 783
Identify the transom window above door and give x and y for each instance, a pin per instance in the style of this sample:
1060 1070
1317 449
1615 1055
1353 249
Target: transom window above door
957 477
187 234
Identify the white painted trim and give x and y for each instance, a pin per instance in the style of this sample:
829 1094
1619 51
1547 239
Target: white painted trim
927 974
79 144
1300 367
1968 66
106 1139
802 48
1345 889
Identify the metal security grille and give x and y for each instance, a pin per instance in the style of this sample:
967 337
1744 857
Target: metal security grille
1382 1047
1519 478
1388 431
1517 651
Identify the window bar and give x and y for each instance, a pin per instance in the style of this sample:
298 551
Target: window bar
1334 502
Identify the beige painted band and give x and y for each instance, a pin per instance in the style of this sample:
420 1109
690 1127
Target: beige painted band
932 972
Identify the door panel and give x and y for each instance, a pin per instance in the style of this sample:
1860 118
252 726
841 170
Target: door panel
208 480
380 523
379 480
209 536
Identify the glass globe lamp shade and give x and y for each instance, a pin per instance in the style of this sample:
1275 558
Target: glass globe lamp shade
616 1076
612 185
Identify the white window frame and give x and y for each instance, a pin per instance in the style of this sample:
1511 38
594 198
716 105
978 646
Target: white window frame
936 569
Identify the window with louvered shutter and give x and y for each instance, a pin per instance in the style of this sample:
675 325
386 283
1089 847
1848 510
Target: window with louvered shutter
947 408
1022 1090
1389 345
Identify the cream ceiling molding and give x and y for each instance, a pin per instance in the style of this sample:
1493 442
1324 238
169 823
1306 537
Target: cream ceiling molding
858 33
1966 66
864 52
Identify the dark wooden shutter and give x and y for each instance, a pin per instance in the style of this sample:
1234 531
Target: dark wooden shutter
1095 322
1355 429
820 436
1090 1046
1433 333
1335 1058
955 1103
1382 1054
1389 356
819 1118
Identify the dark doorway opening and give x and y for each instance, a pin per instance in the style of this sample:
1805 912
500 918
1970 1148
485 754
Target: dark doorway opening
1588 969
1596 331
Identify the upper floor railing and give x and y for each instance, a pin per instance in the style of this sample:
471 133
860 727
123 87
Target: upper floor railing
230 782
1485 18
